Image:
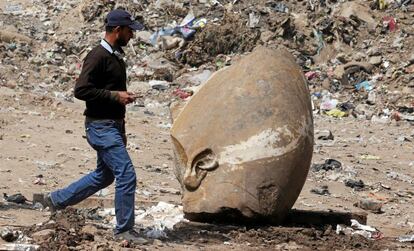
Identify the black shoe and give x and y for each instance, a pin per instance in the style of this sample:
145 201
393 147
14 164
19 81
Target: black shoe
132 236
47 202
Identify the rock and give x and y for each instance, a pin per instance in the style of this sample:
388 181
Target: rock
245 101
10 37
360 11
157 242
43 235
8 235
266 36
409 69
411 59
164 4
200 78
143 36
324 135
90 9
365 110
169 42
89 229
369 205
323 190
377 60
170 191
372 98
18 247
380 120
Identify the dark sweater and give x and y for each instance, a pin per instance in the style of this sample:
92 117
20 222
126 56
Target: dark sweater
102 72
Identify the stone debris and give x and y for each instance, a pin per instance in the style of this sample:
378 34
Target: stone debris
216 163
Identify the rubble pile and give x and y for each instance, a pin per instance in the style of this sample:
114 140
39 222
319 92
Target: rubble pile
356 54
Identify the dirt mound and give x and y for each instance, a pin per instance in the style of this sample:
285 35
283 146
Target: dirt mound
74 229
272 237
63 229
231 36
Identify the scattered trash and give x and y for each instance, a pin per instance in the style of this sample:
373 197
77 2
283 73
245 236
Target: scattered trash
382 4
400 176
311 75
15 198
369 157
280 7
186 29
103 192
39 180
366 85
254 20
328 104
390 23
159 85
359 229
336 113
323 190
13 8
358 185
182 94
406 238
330 164
155 219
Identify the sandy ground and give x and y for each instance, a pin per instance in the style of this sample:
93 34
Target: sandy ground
41 136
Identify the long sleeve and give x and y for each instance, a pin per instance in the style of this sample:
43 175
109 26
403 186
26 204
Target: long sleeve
87 86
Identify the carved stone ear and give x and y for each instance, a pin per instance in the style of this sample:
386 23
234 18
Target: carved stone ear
203 162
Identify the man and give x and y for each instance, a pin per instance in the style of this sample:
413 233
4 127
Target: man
102 85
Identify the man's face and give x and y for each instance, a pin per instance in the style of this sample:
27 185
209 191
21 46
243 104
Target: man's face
124 34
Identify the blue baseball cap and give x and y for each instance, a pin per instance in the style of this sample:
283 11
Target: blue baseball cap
120 17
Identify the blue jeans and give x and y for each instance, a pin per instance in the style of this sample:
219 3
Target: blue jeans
106 137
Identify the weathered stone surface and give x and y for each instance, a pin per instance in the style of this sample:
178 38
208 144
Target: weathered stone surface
376 60
9 37
90 229
43 235
244 141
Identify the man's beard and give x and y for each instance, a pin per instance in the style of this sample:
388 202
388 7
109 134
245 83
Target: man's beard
121 42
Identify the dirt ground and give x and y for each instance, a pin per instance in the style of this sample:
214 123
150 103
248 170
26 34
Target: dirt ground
41 136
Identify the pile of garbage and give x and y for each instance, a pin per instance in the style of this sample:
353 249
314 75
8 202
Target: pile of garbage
357 55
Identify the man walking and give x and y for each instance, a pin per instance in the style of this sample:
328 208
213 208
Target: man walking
102 85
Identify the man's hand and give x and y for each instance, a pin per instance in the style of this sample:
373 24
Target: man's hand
126 97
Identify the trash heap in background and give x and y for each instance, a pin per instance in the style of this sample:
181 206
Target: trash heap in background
356 55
